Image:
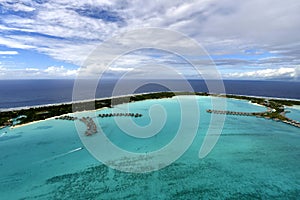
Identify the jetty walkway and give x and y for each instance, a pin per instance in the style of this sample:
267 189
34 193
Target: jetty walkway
120 115
257 114
91 126
292 122
67 117
226 112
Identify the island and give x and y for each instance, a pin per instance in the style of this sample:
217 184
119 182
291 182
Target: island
275 108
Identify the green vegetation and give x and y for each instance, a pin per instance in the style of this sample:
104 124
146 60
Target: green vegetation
159 95
252 99
44 112
275 106
278 102
286 102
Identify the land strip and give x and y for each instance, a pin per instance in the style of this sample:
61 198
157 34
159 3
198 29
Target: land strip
275 107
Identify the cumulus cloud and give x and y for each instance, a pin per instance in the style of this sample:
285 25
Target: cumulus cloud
8 53
120 69
281 73
62 71
49 72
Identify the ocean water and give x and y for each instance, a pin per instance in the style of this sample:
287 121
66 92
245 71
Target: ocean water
294 113
22 93
254 158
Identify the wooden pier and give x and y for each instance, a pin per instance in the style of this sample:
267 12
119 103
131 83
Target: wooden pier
120 115
226 112
292 122
257 114
67 117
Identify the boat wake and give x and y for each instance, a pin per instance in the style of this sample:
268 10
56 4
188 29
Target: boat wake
61 155
3 134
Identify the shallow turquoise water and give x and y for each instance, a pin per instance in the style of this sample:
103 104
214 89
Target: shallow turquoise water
253 159
294 113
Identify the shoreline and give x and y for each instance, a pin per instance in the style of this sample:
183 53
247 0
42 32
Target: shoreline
51 118
49 114
256 104
262 97
71 102
129 95
29 123
297 107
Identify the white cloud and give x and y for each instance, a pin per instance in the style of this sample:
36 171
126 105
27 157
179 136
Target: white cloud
17 5
120 69
60 71
8 53
14 43
281 73
32 69
57 29
35 73
21 7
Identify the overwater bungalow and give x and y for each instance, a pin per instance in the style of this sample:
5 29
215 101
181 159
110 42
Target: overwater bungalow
120 115
90 124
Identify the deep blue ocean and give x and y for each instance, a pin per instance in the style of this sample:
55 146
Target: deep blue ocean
22 93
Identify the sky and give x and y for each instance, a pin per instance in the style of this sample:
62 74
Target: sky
246 39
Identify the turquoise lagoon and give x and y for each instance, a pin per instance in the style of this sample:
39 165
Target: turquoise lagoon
254 158
294 113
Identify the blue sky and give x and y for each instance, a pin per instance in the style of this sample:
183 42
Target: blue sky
258 39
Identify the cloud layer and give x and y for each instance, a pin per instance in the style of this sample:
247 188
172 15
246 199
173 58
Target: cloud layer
283 73
32 73
245 38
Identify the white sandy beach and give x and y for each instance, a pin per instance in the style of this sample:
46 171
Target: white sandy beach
29 123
